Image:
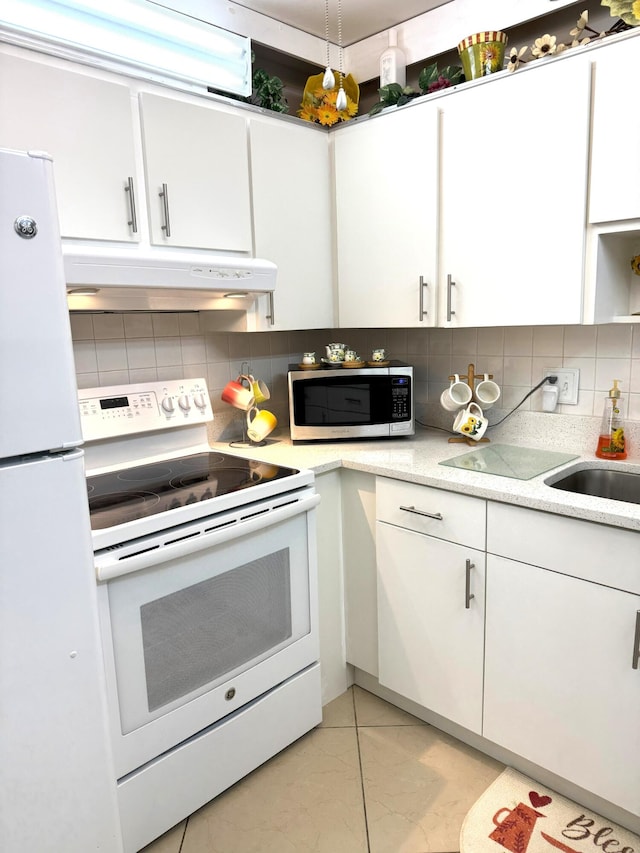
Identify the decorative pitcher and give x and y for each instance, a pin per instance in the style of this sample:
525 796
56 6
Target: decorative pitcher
514 831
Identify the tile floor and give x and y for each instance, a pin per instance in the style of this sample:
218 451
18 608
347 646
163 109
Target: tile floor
370 779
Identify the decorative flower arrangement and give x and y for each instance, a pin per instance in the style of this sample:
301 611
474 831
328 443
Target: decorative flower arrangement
635 264
628 10
319 105
430 80
548 45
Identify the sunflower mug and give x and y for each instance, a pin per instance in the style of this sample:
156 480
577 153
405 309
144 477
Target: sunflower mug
470 422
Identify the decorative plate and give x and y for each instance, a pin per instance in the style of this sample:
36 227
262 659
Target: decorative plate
353 364
309 366
377 363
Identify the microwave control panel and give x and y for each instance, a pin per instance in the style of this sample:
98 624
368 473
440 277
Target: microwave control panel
400 398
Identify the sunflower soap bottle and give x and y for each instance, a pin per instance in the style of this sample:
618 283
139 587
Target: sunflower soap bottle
611 442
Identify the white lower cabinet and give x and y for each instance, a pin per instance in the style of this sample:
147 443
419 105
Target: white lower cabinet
359 554
560 688
431 598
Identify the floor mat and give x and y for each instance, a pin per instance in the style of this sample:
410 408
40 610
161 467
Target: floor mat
521 816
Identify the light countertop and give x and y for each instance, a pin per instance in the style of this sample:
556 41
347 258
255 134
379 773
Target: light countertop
417 460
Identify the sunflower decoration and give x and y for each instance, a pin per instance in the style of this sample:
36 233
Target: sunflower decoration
627 10
470 427
635 264
319 105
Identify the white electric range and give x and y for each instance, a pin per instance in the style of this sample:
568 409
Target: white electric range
206 572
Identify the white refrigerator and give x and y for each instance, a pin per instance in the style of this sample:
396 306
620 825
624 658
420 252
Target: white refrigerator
57 785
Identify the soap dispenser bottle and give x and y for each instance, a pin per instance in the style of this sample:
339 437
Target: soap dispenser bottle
611 442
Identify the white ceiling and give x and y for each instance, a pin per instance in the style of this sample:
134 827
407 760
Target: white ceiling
360 18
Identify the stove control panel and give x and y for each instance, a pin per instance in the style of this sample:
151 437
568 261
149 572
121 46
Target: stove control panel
130 409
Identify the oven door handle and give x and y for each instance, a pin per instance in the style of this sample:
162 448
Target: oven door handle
200 537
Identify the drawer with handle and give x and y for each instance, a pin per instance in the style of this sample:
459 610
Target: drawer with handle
445 515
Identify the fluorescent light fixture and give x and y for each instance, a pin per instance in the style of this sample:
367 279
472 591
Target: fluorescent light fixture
83 291
140 33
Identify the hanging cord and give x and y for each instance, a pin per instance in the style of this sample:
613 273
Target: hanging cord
550 379
326 31
340 51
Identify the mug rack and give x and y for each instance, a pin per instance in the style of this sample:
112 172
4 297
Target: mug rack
470 378
245 441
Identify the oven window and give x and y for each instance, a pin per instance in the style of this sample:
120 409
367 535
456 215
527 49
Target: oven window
196 635
236 611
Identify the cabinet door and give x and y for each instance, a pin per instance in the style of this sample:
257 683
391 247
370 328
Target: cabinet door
430 643
291 183
560 689
514 173
386 176
86 125
360 579
615 166
201 155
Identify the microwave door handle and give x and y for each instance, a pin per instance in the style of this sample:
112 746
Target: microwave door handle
110 567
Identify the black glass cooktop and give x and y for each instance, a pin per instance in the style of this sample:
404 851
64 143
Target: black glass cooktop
133 493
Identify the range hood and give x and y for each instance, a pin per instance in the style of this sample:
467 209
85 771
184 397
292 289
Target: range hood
162 280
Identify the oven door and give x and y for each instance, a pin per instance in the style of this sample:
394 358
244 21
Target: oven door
204 618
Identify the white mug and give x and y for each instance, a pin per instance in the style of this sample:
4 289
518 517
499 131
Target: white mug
351 355
487 392
470 422
458 394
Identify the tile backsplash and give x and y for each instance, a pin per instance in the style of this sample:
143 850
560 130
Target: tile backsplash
112 349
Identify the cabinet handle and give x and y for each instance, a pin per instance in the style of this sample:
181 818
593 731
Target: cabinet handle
164 195
436 515
422 313
271 316
133 222
636 642
450 283
468 595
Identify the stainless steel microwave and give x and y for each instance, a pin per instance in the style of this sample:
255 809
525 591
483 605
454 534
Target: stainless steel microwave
333 403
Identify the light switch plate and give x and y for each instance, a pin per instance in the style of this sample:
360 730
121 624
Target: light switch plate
568 383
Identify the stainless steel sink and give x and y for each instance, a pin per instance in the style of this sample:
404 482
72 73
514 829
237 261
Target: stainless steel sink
602 483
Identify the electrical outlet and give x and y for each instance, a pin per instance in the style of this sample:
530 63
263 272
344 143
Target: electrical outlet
568 383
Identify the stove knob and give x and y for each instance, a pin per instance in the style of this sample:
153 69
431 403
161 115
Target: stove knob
184 402
200 401
191 499
167 405
175 503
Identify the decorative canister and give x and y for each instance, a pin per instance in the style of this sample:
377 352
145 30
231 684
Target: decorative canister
482 53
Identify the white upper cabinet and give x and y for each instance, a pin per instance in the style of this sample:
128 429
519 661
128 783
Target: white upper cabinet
291 185
197 175
86 124
615 164
513 203
386 178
